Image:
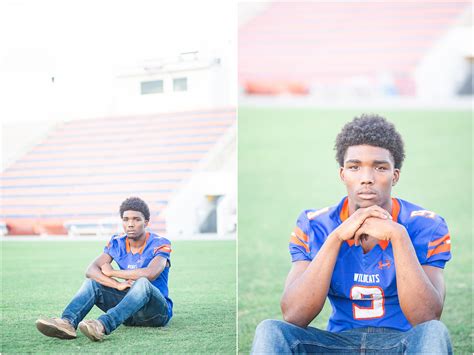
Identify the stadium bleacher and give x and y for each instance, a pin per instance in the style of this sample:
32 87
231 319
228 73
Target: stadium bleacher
300 44
84 169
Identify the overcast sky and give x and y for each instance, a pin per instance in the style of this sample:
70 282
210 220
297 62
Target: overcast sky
84 44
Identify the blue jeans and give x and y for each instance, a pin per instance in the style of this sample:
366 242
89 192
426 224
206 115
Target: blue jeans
140 305
278 337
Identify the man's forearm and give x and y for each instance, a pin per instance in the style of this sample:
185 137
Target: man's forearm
133 274
94 273
304 298
419 299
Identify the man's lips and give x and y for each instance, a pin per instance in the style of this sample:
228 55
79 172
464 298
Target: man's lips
367 194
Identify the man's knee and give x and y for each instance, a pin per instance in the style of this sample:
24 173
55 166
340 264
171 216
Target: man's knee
141 285
90 284
434 328
271 326
430 337
271 337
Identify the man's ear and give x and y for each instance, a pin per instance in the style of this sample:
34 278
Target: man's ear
396 176
341 173
146 223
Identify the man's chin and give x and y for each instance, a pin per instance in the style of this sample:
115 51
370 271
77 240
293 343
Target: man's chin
135 236
365 203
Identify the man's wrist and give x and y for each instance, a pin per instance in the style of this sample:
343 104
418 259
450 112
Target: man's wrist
337 237
398 233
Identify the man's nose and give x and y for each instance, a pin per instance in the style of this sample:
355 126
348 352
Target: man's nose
367 177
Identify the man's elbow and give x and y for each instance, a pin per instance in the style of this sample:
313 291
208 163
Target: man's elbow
89 273
152 275
292 316
431 314
92 270
295 320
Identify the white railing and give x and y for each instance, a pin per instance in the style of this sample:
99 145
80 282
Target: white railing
98 228
3 229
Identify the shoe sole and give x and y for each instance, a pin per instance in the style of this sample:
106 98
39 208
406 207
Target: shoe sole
88 332
52 330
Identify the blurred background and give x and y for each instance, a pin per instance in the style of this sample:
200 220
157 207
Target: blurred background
306 69
103 101
341 52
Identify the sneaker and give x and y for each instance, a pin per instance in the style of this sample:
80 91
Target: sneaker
56 327
93 329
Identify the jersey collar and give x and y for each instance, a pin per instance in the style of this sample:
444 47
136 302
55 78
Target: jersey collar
127 244
344 214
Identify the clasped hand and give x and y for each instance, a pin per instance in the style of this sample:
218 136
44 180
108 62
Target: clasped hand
373 221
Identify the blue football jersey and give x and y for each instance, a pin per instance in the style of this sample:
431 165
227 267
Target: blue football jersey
119 249
363 289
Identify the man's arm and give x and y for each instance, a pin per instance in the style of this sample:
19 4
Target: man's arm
421 289
151 272
93 272
307 284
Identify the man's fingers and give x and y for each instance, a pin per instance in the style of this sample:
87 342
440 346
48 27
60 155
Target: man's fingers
377 212
381 210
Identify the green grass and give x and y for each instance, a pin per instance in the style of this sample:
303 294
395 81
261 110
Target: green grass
40 278
286 164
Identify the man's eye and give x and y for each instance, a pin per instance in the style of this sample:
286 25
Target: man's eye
354 167
381 168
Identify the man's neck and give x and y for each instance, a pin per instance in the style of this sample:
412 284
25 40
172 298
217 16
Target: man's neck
354 207
137 243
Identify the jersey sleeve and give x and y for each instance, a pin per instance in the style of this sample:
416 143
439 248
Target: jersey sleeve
438 250
299 239
111 247
162 248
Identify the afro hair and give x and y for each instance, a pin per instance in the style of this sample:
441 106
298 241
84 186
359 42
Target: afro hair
135 204
374 130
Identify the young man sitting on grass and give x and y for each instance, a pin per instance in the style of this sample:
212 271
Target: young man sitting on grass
378 259
140 299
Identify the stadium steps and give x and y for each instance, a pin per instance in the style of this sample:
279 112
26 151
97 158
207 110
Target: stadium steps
84 169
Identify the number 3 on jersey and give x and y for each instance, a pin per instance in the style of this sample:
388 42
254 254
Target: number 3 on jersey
368 293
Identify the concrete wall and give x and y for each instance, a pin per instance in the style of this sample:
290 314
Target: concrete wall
445 66
217 176
210 84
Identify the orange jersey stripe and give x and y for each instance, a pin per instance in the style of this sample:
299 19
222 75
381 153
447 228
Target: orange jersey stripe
440 249
144 244
300 234
439 241
344 210
296 241
166 248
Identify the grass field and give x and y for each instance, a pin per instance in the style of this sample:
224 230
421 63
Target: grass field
39 279
286 164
